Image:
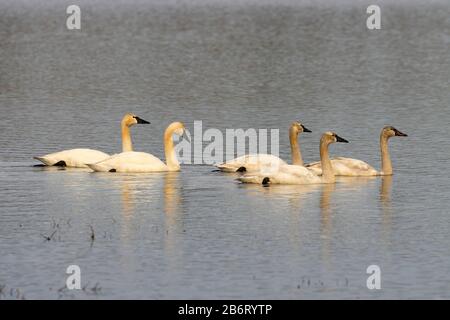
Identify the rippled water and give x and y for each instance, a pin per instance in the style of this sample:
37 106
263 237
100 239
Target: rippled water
198 233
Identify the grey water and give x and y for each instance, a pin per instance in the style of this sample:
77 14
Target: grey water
231 64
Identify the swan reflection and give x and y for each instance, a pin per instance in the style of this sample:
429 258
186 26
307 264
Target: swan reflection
385 200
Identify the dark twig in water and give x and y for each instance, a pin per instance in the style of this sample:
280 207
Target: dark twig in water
49 238
92 233
96 289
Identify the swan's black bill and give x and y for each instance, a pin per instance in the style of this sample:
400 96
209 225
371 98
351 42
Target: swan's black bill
339 139
399 133
141 121
265 182
241 169
305 129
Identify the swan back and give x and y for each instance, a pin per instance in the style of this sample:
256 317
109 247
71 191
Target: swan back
131 161
75 158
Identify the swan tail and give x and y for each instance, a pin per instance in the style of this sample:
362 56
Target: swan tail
97 167
226 167
44 160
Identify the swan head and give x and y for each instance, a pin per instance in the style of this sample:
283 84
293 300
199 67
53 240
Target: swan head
131 119
390 131
297 127
331 137
179 129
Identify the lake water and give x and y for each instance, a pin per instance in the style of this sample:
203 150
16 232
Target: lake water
199 233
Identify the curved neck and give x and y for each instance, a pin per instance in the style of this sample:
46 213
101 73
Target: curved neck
169 150
327 169
386 165
295 148
127 145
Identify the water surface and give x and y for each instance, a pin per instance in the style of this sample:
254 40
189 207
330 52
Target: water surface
198 233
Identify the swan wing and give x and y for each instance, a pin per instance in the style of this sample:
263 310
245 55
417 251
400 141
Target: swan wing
131 161
352 167
287 174
345 167
251 162
73 157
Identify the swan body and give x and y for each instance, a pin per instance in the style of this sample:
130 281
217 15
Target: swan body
72 158
255 162
77 158
346 167
130 161
250 163
358 168
287 174
141 162
294 174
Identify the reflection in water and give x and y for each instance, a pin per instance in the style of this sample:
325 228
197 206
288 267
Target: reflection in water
172 198
132 188
294 199
127 197
172 209
347 184
385 199
385 191
173 225
326 220
294 194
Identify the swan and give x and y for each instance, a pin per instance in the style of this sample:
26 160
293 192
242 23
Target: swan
141 162
354 167
77 158
254 162
293 174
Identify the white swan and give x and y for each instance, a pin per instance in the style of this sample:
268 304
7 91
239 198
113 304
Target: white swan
140 162
77 158
354 167
254 162
293 174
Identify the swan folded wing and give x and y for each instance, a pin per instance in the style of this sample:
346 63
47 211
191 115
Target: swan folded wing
352 167
74 157
345 167
252 162
287 174
315 167
130 162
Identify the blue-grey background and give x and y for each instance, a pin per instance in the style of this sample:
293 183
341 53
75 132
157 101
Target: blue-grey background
231 64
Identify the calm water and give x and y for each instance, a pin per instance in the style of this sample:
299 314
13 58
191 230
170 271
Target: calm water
198 233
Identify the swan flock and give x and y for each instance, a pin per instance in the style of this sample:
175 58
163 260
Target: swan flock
256 168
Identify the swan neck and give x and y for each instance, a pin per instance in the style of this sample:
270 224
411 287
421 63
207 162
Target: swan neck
127 145
386 164
327 168
295 148
169 150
